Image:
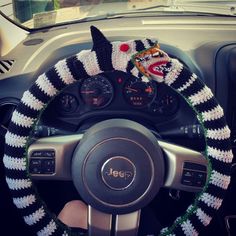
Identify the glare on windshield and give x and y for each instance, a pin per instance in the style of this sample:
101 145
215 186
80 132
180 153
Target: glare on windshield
41 13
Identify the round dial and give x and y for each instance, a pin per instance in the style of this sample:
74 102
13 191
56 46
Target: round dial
67 103
139 93
96 91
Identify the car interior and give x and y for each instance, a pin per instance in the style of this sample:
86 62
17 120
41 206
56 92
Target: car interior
84 139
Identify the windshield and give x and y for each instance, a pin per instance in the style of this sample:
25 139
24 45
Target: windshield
42 13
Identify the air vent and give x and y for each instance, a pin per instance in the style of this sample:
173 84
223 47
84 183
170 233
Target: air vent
6 110
5 66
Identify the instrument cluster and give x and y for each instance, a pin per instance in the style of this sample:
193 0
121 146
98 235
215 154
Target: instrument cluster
117 90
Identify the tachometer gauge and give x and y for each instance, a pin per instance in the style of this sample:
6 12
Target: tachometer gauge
96 91
67 103
139 93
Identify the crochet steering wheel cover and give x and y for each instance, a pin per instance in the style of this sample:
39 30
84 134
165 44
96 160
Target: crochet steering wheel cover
109 56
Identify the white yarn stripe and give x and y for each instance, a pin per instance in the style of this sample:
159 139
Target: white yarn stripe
219 134
135 71
15 140
34 217
146 43
164 231
46 86
22 120
225 156
14 163
188 228
18 184
203 217
214 114
211 201
201 96
23 202
90 62
174 72
145 79
48 230
188 83
219 179
120 59
29 100
64 73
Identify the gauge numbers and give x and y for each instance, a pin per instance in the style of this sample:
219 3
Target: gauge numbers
139 93
97 91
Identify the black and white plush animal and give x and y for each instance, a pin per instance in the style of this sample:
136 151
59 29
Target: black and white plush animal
143 59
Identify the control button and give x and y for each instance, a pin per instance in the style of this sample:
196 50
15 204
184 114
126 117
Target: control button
199 179
35 166
43 153
194 166
188 178
48 166
38 153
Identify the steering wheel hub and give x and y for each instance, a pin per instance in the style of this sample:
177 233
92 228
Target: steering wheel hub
120 169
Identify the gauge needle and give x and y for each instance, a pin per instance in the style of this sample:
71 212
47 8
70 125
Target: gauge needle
131 89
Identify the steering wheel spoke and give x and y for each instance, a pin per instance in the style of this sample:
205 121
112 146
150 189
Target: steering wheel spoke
185 169
102 224
50 158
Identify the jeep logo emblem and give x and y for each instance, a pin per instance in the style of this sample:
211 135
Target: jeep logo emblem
118 173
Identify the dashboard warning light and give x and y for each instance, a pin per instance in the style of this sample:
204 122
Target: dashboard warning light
119 80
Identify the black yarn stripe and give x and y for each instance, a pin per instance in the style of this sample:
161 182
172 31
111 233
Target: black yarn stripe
197 224
130 66
39 94
55 80
220 166
216 191
19 130
183 78
178 230
14 151
22 192
71 65
206 209
151 43
58 232
18 174
79 69
192 90
42 223
25 110
223 145
31 208
104 58
139 45
206 106
215 124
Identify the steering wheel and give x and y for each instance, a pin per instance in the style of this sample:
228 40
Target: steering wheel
118 165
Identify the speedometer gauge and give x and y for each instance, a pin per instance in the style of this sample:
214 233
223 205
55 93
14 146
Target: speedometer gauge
96 91
139 93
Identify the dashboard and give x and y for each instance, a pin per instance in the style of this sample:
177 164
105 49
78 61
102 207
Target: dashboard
111 94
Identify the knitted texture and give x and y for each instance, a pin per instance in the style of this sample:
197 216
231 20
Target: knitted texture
106 56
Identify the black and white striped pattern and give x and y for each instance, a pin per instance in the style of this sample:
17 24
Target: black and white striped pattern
89 63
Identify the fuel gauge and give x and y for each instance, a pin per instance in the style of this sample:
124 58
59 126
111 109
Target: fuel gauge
67 103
